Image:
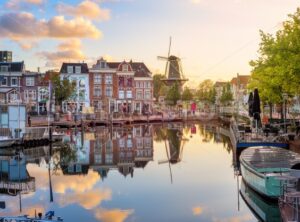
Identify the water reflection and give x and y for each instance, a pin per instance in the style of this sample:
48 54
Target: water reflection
123 174
263 209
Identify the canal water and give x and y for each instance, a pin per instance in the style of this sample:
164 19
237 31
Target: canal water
143 173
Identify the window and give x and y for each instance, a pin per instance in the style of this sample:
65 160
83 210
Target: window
102 65
97 79
121 143
148 84
3 81
121 94
129 143
4 68
30 95
69 69
129 82
125 68
121 81
82 83
147 142
139 143
108 79
139 94
43 94
97 91
108 91
29 81
97 105
129 94
14 81
147 94
137 84
77 69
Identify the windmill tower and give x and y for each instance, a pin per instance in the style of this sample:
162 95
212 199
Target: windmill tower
173 70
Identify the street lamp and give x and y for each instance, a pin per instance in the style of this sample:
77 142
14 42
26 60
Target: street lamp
285 97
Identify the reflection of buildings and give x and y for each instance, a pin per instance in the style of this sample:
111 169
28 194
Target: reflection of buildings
124 149
14 177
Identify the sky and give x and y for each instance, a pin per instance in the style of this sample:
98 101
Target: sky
215 39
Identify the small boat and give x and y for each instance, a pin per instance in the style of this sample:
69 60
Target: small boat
6 141
49 217
263 209
266 169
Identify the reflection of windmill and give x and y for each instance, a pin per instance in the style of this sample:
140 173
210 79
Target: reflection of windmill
174 148
173 70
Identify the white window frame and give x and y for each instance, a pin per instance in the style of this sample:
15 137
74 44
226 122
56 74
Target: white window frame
97 94
69 69
129 94
110 91
11 81
97 79
108 79
125 67
139 92
77 69
30 81
4 78
147 94
4 69
121 94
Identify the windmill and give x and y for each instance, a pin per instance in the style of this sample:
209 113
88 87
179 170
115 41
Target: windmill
174 149
173 69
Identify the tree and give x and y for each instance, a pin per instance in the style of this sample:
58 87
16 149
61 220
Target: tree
159 87
278 66
226 96
63 89
187 94
173 94
206 91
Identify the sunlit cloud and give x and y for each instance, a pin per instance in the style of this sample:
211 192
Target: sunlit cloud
197 210
114 215
88 9
22 4
25 25
66 51
88 200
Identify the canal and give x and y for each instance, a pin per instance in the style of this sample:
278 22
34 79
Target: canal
143 173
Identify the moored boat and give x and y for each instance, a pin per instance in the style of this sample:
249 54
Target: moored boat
263 209
264 167
6 141
49 217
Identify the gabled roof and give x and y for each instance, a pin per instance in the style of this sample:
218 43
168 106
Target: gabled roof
84 67
14 66
241 79
220 84
139 68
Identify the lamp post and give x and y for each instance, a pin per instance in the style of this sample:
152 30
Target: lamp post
285 97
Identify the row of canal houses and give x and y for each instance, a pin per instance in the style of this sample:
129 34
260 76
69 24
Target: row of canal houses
109 86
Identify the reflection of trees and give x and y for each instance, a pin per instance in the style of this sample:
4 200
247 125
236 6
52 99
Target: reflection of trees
206 134
160 134
64 156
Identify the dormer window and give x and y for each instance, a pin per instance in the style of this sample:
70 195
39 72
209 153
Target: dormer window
70 69
4 69
125 68
102 64
77 69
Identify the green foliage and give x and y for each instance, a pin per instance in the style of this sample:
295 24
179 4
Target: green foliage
206 91
226 96
277 69
187 94
173 94
159 88
63 89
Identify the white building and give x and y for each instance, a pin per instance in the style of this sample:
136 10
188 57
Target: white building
79 74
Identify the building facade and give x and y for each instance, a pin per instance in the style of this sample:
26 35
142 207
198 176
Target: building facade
123 87
5 56
79 74
10 81
239 88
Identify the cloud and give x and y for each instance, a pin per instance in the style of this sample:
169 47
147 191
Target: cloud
87 9
88 200
22 4
25 25
197 210
114 215
66 51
